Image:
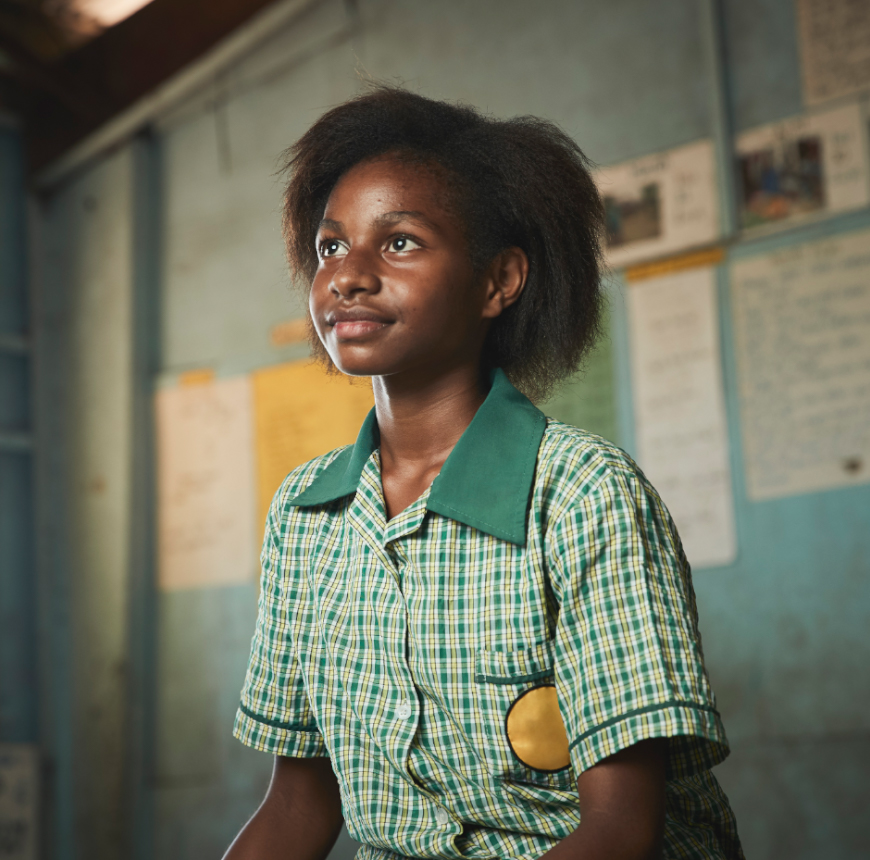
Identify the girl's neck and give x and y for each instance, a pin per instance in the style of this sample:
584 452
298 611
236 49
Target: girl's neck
419 424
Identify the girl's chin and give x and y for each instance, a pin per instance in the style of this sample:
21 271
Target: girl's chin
354 360
356 367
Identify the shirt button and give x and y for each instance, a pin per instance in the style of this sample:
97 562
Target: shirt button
405 709
441 816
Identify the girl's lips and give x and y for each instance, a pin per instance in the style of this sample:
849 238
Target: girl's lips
348 329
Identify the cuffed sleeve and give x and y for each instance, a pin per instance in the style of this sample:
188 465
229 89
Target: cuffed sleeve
629 664
275 713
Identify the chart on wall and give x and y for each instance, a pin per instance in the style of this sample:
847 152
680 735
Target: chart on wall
300 412
804 167
801 318
19 802
205 485
835 47
681 433
660 204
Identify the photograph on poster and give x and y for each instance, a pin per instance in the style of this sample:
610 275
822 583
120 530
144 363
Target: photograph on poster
802 167
634 217
782 180
660 204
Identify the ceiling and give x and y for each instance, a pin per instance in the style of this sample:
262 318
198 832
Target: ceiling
67 66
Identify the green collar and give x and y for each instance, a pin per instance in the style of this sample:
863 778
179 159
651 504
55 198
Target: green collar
486 481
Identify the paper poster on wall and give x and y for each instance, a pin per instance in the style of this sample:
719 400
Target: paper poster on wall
804 167
835 48
19 801
801 318
660 204
300 412
587 399
205 473
679 408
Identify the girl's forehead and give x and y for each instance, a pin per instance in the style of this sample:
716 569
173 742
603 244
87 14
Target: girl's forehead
389 180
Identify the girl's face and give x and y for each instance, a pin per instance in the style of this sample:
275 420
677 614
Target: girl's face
395 291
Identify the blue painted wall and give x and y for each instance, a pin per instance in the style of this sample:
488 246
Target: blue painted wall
784 627
89 510
786 633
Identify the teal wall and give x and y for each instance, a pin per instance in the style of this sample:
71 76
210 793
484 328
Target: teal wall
84 309
786 636
166 255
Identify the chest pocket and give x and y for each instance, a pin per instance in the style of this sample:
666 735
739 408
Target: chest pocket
524 737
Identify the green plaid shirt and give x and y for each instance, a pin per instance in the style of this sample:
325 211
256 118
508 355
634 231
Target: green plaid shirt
539 556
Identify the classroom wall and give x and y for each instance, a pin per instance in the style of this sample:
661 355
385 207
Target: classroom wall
85 401
783 626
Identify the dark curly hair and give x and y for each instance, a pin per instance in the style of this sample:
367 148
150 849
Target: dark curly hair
520 182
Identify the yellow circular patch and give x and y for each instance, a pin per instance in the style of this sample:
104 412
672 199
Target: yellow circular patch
536 732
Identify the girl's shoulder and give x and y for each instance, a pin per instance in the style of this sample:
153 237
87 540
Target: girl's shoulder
572 462
303 476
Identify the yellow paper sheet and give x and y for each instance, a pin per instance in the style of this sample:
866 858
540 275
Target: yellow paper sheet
300 412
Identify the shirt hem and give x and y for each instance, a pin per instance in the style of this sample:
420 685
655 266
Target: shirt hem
278 724
260 735
675 703
702 742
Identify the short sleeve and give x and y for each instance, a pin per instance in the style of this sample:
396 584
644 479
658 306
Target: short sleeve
628 657
275 713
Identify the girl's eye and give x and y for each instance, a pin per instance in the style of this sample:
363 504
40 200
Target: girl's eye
332 248
402 243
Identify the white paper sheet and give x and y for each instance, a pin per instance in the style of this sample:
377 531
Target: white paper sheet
660 204
804 167
835 47
680 427
206 508
802 333
19 801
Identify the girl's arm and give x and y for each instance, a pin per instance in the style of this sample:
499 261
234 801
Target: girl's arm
622 807
300 816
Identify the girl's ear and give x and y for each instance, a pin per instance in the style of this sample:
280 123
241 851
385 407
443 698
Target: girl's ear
505 280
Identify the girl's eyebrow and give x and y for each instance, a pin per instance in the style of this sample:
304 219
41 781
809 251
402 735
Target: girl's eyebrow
388 219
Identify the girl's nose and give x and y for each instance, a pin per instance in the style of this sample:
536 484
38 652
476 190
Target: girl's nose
354 275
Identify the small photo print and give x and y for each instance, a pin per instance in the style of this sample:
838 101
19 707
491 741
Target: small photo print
631 219
781 180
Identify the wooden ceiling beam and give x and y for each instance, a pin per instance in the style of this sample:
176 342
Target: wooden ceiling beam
123 64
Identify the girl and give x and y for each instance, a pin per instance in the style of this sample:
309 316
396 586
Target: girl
477 632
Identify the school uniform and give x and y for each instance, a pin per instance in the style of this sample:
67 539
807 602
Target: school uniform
461 664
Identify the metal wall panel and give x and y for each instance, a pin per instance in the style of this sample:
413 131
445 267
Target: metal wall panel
84 320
